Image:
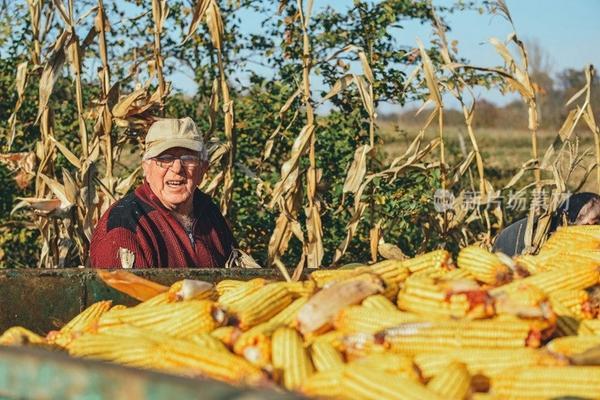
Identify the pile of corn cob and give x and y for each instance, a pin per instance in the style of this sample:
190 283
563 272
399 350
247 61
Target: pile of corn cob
486 326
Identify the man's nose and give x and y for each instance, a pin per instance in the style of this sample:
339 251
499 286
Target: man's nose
177 166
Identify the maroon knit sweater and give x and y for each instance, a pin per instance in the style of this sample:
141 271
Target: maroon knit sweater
140 223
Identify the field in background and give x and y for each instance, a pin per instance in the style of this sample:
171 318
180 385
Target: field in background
504 151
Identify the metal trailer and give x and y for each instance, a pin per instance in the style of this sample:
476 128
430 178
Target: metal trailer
45 299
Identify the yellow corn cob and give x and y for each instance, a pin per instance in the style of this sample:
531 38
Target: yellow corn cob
413 338
396 364
191 289
80 323
379 302
301 288
86 318
287 316
208 341
392 272
191 359
566 322
289 355
570 345
261 305
574 300
131 348
488 362
457 306
485 266
578 277
176 319
325 384
434 260
255 344
227 285
227 334
319 311
454 382
529 263
238 295
17 336
335 338
548 382
325 357
455 274
360 382
589 327
324 277
484 396
356 319
161 298
117 307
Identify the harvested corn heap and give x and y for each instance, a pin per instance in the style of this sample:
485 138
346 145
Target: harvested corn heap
487 326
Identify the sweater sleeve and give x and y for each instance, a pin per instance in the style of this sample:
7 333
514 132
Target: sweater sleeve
105 245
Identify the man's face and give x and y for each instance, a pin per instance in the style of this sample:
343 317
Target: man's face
174 185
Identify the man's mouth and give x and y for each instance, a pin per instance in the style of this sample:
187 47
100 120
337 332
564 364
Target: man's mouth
175 183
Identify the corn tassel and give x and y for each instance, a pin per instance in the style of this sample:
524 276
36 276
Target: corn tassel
454 382
548 382
325 357
485 266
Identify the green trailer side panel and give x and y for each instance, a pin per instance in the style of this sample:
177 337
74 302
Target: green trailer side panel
45 299
31 373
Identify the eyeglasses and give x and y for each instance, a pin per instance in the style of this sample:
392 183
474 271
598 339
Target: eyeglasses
187 160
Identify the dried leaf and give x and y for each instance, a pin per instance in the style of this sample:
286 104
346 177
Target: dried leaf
72 158
430 78
357 170
366 68
340 85
199 12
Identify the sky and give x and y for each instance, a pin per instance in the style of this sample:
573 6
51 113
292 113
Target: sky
567 30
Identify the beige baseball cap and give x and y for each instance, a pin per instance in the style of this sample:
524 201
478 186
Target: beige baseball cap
167 133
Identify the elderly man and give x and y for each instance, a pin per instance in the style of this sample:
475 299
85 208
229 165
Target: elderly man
166 221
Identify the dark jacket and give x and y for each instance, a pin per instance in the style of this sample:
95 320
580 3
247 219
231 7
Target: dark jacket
140 223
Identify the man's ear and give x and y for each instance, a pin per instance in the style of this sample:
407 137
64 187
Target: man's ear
145 166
